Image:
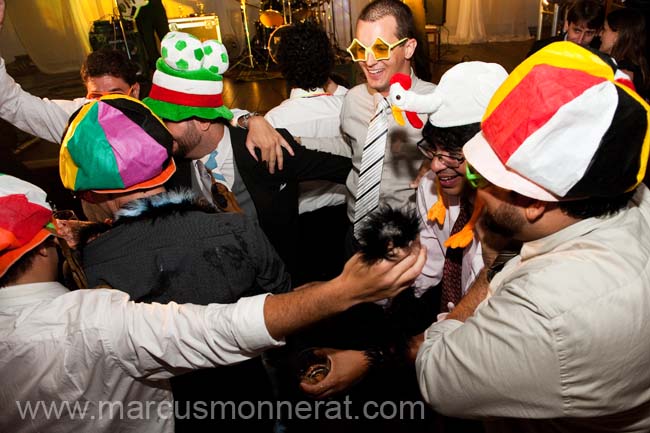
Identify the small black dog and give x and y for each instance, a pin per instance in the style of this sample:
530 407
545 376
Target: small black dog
385 230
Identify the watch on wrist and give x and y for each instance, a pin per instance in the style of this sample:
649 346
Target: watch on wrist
243 120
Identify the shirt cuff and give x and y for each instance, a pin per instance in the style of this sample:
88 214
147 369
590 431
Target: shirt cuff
249 326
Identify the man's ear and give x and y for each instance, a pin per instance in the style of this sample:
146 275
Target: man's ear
565 27
43 249
534 210
409 48
135 91
202 125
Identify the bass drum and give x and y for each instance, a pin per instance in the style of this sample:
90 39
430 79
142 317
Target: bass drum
274 41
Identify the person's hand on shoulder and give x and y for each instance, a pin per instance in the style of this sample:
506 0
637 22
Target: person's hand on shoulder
263 136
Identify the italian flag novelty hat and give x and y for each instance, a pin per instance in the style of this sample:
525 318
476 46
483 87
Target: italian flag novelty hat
188 81
25 219
565 125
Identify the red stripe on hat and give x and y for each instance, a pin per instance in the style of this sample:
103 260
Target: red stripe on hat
626 82
531 104
180 98
21 218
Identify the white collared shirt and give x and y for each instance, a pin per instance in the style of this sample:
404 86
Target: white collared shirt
225 164
98 350
315 117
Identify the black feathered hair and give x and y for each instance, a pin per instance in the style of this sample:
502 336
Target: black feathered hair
386 229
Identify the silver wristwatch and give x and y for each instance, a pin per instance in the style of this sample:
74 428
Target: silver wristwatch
242 121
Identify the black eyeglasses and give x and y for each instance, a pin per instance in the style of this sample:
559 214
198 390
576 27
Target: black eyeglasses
450 161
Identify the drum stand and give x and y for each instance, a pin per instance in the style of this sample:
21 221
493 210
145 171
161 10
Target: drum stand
249 57
340 55
121 20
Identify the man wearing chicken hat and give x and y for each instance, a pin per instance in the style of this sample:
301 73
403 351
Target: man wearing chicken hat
212 158
559 342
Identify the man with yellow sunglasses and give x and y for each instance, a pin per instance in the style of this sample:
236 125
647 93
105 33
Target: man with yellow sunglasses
384 45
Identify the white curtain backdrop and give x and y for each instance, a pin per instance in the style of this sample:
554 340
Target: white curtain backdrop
55 32
474 21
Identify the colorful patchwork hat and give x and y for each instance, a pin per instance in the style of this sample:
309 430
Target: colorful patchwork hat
115 144
565 125
188 80
25 219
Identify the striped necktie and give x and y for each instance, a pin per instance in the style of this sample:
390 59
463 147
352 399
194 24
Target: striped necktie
372 163
452 271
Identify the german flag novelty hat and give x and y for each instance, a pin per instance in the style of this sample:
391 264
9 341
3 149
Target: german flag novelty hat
565 125
25 219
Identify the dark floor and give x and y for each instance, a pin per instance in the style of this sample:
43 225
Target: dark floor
256 89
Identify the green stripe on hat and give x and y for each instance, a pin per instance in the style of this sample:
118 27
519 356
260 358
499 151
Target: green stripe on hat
200 74
178 113
92 153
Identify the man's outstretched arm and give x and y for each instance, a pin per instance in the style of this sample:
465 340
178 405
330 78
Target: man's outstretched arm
286 313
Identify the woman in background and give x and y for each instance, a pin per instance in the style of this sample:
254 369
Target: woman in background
623 37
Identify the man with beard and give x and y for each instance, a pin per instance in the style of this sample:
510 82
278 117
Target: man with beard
186 94
558 342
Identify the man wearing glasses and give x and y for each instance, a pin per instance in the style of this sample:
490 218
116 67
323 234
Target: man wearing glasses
445 205
558 343
384 46
446 202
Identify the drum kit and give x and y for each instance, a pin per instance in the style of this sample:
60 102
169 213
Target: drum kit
275 16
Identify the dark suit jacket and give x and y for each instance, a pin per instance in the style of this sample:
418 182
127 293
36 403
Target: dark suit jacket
276 195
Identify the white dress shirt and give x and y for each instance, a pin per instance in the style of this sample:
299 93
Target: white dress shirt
433 236
562 344
41 117
225 165
314 114
402 159
97 348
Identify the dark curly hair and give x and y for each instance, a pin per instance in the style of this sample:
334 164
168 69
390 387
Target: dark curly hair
107 61
452 138
305 56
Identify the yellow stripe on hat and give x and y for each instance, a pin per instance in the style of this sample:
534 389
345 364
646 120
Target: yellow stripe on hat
645 147
131 98
67 167
565 55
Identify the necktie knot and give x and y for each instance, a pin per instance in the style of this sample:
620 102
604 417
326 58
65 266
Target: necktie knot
212 166
381 105
211 162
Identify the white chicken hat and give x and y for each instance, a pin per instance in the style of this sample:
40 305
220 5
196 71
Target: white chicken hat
460 98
